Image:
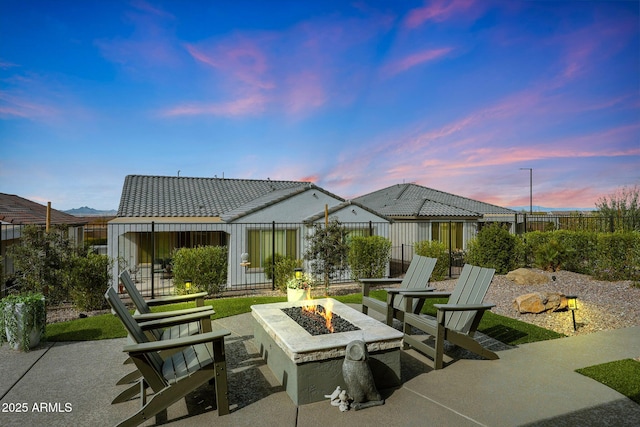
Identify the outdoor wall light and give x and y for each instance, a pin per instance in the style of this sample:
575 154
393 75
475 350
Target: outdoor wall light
298 272
187 284
572 304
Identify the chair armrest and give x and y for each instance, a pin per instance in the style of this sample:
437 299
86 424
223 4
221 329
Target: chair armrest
429 294
163 314
403 290
173 299
176 320
177 343
382 280
463 307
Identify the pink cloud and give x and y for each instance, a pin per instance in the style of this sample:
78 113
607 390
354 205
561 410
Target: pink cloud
240 107
436 10
418 58
242 61
17 106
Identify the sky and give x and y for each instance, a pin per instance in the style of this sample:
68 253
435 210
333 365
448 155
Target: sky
356 96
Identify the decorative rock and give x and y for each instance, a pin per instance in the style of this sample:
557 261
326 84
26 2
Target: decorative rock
538 302
524 276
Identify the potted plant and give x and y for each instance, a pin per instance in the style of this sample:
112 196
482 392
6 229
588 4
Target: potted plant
299 287
23 318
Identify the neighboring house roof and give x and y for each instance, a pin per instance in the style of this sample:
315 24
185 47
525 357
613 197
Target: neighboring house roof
228 199
412 200
19 211
313 218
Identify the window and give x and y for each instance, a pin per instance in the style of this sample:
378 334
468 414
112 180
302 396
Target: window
440 233
261 243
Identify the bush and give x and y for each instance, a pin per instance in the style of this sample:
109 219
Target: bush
438 250
268 265
551 254
204 266
494 247
89 278
285 270
618 256
369 256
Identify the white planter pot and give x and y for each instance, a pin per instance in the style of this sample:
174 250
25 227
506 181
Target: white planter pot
296 294
17 311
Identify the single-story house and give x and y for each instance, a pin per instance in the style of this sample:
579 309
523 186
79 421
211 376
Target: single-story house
17 212
420 213
253 218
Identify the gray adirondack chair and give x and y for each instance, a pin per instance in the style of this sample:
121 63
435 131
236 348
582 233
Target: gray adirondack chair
164 330
200 359
416 280
456 321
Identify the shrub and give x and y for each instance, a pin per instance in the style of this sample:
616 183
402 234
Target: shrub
269 263
88 280
493 247
204 266
369 256
618 256
438 250
551 254
285 270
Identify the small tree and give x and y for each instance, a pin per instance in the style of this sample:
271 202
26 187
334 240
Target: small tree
327 250
369 256
621 208
41 261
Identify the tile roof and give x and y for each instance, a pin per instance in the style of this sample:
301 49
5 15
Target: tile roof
170 196
17 210
412 200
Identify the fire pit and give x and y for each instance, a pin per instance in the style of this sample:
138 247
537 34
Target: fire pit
310 366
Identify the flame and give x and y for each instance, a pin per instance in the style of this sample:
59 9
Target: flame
326 314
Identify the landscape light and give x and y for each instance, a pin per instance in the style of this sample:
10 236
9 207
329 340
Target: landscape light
572 304
187 284
298 272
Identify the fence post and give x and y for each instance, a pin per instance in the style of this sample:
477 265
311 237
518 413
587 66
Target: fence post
450 251
153 257
273 256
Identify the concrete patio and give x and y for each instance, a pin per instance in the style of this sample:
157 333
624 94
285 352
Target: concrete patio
535 384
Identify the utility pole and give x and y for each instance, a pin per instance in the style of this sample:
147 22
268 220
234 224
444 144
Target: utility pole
530 189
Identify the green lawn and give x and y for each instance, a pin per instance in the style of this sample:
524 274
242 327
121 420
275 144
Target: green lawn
621 375
107 326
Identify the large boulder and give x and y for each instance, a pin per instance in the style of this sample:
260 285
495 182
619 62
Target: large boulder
538 302
524 276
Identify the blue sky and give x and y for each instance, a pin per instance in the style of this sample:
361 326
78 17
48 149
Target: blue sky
354 96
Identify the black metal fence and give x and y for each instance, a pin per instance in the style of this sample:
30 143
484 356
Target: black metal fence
577 222
146 249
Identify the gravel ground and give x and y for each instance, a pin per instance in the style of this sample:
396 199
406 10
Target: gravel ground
601 305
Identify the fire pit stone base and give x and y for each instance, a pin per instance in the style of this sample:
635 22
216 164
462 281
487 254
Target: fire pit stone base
310 367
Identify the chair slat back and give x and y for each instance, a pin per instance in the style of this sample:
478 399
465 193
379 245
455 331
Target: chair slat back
134 293
416 278
133 329
471 288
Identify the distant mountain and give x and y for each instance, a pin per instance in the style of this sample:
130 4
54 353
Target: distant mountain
538 209
87 211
